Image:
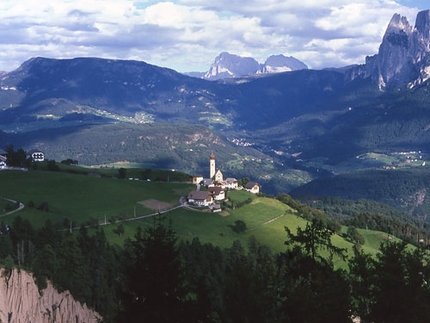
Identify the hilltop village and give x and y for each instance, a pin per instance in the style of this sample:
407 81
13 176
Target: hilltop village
215 187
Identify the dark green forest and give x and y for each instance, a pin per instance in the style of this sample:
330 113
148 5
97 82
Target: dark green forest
403 188
155 277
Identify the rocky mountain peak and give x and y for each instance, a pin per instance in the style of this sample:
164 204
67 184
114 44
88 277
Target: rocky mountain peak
281 63
228 65
398 24
403 56
422 24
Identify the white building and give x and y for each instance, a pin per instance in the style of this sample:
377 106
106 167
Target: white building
36 155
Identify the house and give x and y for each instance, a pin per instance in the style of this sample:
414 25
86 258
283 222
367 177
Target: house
2 162
3 159
252 187
36 155
231 183
196 179
200 198
217 193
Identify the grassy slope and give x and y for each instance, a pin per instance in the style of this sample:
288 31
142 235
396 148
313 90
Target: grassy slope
79 198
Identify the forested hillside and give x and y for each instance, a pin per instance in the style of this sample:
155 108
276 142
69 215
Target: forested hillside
157 278
263 259
404 188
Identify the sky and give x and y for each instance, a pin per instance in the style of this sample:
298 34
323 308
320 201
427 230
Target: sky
187 35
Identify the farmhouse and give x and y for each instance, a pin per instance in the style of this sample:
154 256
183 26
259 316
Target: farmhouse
231 183
217 192
252 187
3 159
197 179
2 162
36 155
200 198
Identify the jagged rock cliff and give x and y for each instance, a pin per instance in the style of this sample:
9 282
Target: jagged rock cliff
404 54
21 302
227 65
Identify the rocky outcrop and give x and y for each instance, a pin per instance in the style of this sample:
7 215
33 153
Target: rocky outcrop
227 65
21 302
403 58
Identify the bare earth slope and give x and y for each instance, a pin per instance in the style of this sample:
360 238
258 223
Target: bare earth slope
20 301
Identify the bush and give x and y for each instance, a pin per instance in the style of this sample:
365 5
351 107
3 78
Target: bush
239 226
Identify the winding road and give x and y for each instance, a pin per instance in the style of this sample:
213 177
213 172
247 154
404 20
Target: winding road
21 206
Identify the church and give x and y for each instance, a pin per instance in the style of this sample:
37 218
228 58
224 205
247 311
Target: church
214 175
216 178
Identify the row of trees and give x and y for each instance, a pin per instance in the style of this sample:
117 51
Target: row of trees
364 214
156 278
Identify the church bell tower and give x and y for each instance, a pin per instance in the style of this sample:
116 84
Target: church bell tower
212 166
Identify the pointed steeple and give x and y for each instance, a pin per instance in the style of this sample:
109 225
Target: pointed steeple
212 165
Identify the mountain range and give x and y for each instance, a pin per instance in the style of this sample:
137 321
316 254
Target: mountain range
228 65
283 129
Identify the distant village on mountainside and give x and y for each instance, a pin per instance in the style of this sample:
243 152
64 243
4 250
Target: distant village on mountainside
216 188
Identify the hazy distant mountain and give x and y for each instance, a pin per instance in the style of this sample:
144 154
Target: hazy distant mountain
281 63
227 65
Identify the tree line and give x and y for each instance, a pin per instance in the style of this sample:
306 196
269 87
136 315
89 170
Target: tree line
155 277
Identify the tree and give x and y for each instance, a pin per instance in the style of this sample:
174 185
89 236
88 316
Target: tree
239 226
45 265
122 173
69 161
72 273
311 290
393 287
15 158
243 181
22 235
314 237
154 275
119 230
204 280
52 165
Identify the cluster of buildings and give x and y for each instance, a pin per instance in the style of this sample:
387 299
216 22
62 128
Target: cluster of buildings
216 188
35 155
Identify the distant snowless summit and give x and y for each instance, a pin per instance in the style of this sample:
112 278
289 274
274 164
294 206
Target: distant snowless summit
228 65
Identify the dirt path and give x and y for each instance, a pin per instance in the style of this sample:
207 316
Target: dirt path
21 206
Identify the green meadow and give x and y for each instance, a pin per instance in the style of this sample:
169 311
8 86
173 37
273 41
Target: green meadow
111 202
82 198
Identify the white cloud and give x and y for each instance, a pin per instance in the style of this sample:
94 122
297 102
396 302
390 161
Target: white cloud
187 34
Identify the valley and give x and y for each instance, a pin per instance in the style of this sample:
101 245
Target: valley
104 201
106 193
87 229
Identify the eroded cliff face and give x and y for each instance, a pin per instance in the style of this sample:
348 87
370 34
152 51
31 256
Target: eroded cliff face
21 302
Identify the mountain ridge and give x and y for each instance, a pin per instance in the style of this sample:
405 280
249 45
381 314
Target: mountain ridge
228 65
327 117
